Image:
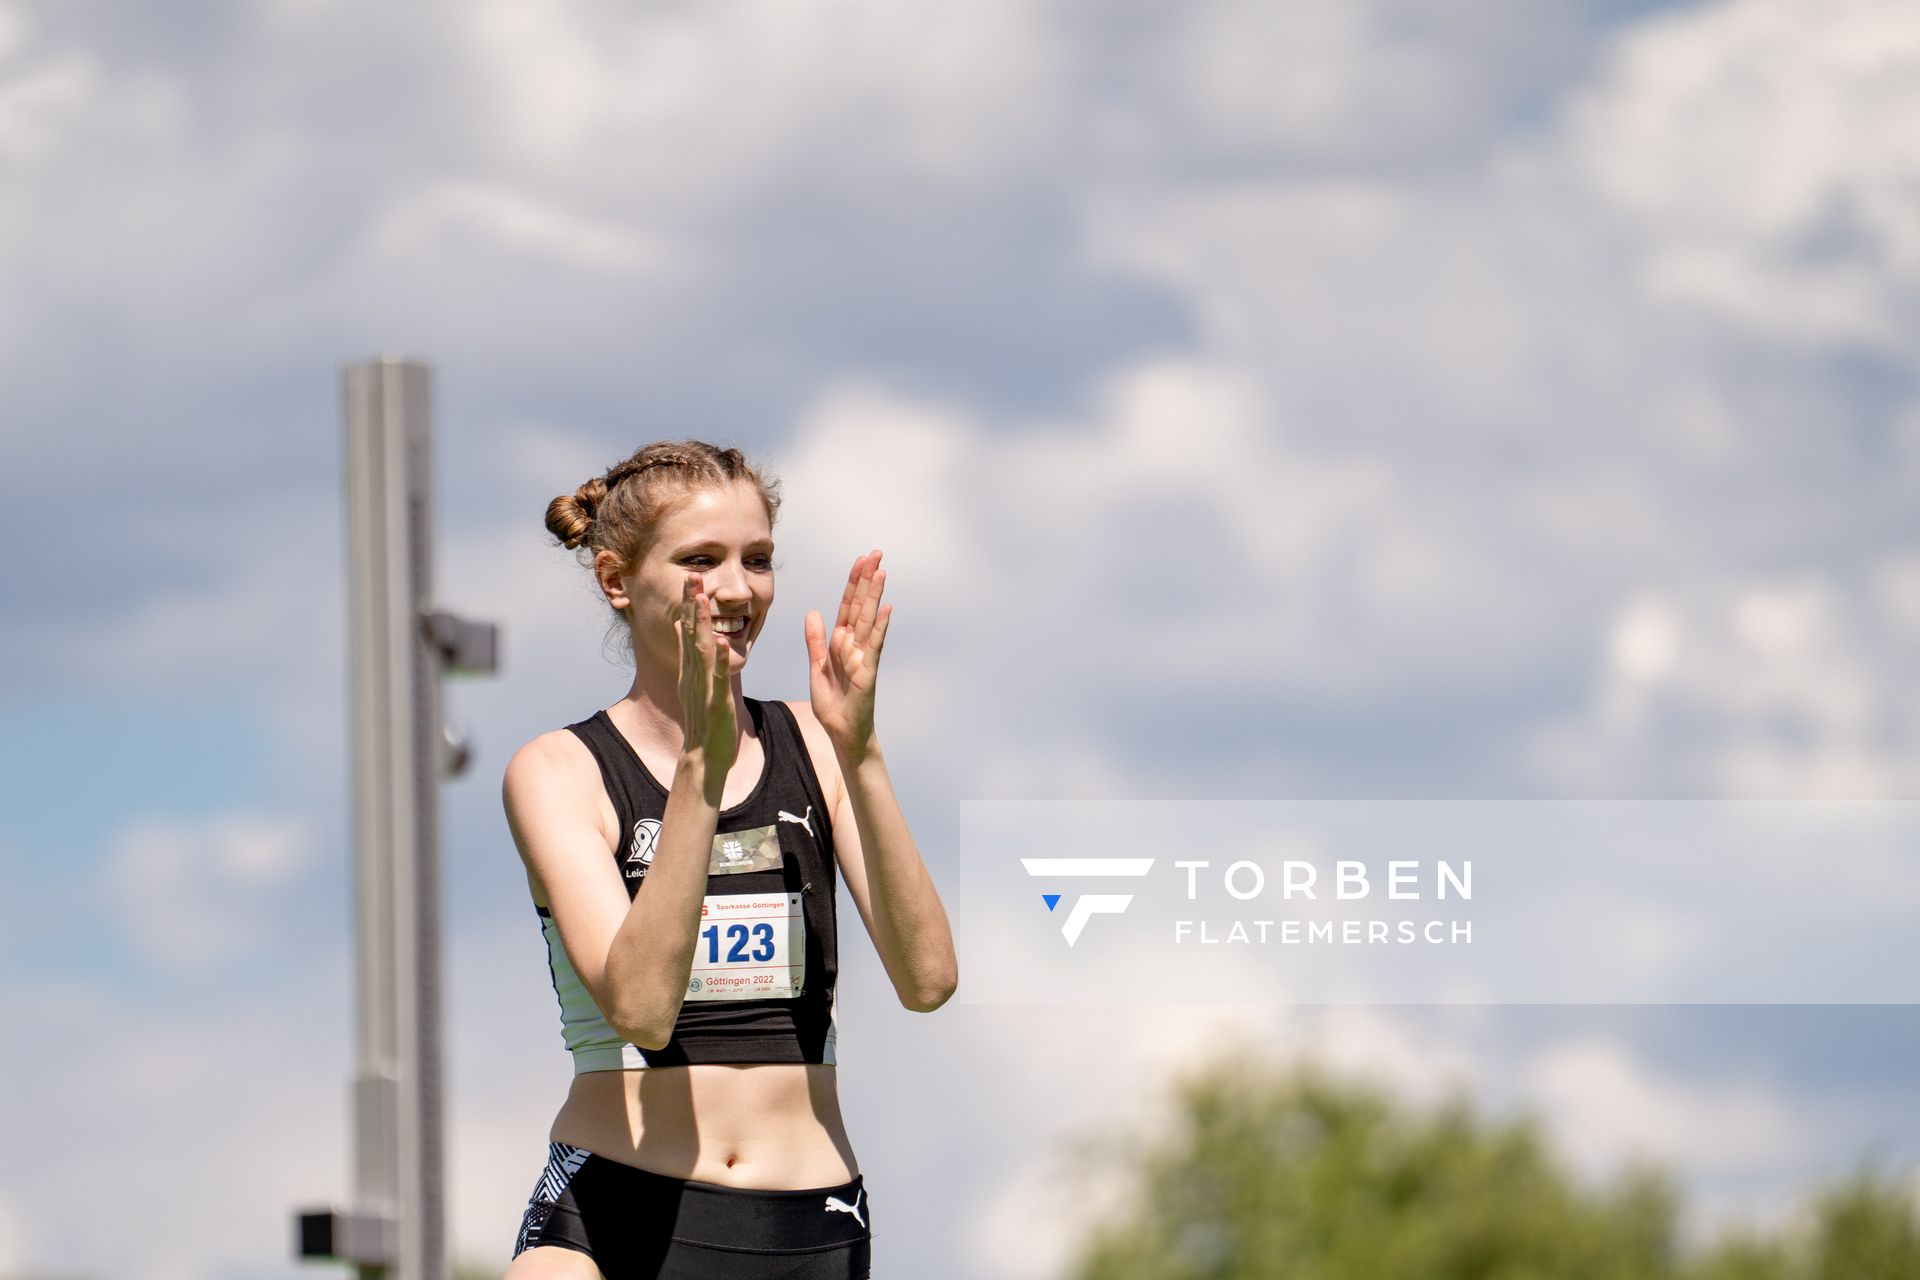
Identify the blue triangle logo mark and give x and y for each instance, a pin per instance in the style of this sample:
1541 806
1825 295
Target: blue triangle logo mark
1052 900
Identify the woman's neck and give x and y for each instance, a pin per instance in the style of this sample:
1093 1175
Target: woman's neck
653 710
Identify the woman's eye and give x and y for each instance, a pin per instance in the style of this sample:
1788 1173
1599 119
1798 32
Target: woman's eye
705 561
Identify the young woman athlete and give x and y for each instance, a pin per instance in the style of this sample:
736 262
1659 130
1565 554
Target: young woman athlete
682 848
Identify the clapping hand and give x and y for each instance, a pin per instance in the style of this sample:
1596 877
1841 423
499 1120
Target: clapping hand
842 666
706 687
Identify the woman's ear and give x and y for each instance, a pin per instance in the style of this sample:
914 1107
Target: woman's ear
607 570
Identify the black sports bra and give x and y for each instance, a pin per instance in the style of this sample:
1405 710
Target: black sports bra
766 958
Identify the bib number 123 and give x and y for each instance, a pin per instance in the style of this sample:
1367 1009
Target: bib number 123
750 946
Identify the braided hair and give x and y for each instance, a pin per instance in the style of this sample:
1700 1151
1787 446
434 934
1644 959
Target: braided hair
618 510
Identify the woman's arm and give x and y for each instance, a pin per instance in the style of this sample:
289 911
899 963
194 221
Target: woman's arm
625 952
909 925
885 875
633 957
882 866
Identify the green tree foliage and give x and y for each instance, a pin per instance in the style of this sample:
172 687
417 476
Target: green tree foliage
1287 1173
1865 1228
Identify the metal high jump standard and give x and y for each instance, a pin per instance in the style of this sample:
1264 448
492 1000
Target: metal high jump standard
400 650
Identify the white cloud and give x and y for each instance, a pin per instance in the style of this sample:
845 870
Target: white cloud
470 220
13 30
1896 581
1645 641
1763 150
957 97
188 892
230 1119
35 104
12 1238
1341 83
894 453
1786 686
1604 1107
1063 555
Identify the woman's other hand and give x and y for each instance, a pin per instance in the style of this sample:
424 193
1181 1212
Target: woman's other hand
842 667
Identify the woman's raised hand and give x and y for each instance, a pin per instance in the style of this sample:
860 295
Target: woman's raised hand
706 685
842 667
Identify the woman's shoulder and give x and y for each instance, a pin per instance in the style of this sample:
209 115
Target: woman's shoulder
808 722
819 748
554 780
548 759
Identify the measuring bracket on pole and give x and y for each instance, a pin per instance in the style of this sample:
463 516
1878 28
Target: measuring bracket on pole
466 648
340 1235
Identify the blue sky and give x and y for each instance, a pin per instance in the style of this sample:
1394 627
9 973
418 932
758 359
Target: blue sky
1526 392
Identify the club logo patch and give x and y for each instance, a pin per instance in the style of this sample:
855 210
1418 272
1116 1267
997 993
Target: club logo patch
646 834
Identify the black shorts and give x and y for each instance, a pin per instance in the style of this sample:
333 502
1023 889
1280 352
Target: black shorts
640 1225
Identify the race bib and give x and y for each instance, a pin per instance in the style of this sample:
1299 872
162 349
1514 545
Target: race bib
751 946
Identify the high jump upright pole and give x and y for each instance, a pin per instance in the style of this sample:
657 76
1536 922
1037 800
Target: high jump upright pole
400 649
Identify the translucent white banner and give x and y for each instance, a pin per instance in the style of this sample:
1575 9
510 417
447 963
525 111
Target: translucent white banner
1439 902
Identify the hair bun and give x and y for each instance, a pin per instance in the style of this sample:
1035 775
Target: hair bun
570 516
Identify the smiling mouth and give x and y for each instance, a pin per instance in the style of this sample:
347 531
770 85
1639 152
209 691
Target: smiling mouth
729 626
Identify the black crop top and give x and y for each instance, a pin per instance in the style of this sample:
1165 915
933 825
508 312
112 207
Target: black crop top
766 958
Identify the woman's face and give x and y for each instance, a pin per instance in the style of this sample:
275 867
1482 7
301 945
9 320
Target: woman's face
721 534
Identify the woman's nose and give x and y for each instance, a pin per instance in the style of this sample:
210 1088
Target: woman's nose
727 582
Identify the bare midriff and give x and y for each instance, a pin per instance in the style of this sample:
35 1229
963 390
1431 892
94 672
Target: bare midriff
768 1126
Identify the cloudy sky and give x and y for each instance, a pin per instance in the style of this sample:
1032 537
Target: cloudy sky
1334 398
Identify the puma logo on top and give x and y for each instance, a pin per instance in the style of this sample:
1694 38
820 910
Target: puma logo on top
805 822
836 1205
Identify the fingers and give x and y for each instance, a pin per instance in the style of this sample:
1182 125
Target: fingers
869 608
846 597
695 624
689 607
816 639
860 626
683 623
693 672
861 588
878 637
713 646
